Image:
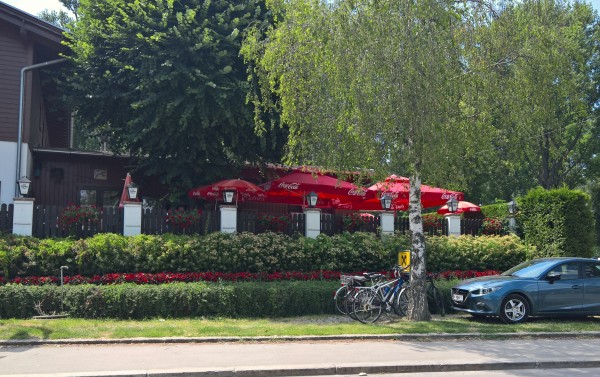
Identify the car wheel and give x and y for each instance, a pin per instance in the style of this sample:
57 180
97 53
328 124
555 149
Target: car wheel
514 309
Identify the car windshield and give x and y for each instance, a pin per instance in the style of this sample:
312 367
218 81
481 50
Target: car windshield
530 269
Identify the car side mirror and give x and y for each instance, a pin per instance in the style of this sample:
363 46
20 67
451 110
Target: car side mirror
552 277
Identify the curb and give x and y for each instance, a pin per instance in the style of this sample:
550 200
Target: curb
332 370
309 338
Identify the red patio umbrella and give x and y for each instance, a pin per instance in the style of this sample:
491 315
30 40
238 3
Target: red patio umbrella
245 190
398 188
293 188
462 207
125 194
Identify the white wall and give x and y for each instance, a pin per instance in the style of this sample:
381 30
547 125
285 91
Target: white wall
8 162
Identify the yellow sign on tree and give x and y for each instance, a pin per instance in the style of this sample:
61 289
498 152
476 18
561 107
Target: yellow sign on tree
404 259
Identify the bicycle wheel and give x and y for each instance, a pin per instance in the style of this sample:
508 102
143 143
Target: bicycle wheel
435 300
349 302
400 302
340 299
367 305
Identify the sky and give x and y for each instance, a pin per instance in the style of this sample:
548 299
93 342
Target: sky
36 6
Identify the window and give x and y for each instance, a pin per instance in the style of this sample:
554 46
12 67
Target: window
591 270
99 197
567 271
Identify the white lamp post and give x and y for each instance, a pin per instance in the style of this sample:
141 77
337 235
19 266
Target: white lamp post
512 210
453 218
386 219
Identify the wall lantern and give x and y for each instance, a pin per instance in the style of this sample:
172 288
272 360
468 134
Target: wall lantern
512 207
386 202
452 204
228 196
132 191
312 199
24 185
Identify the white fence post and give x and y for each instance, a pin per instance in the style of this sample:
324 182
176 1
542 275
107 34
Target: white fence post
23 216
453 224
312 222
386 221
228 219
132 218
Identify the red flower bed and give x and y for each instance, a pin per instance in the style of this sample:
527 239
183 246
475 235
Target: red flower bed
167 277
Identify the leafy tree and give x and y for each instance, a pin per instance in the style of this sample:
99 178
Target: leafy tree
370 84
58 18
163 81
536 95
61 18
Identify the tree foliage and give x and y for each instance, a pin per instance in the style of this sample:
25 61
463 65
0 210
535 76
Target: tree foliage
370 84
535 94
61 18
163 81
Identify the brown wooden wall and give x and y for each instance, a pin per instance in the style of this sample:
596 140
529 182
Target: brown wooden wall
13 56
57 178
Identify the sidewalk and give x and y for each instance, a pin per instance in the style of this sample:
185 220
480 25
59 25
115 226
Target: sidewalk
298 358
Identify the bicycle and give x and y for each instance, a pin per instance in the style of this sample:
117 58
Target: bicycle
435 299
350 283
369 302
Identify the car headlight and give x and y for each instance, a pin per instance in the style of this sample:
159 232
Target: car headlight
484 291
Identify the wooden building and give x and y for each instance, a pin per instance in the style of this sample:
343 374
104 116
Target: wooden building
60 175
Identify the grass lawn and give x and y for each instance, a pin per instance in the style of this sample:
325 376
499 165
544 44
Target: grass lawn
72 328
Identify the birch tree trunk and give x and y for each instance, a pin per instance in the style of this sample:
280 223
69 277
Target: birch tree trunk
417 308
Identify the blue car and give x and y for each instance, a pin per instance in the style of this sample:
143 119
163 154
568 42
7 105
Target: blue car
539 287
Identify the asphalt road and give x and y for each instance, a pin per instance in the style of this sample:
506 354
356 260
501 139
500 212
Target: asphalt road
347 357
586 372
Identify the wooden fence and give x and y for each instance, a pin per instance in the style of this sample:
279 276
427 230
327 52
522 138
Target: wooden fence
156 221
6 218
46 223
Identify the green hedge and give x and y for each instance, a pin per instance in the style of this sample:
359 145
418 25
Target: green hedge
476 253
267 252
175 300
497 210
558 222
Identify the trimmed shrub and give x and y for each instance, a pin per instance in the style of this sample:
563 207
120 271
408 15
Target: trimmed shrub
558 222
497 210
475 253
175 300
267 252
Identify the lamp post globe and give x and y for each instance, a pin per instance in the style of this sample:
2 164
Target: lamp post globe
452 204
312 198
24 184
386 202
132 191
228 196
512 207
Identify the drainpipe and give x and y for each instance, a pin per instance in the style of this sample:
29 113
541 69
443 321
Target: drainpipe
21 110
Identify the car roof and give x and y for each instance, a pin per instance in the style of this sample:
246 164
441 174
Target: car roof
567 259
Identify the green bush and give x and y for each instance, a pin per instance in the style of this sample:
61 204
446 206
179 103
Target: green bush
175 300
558 222
497 210
475 253
266 252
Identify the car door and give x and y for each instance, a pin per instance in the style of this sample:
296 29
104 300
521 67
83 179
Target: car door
591 289
564 295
